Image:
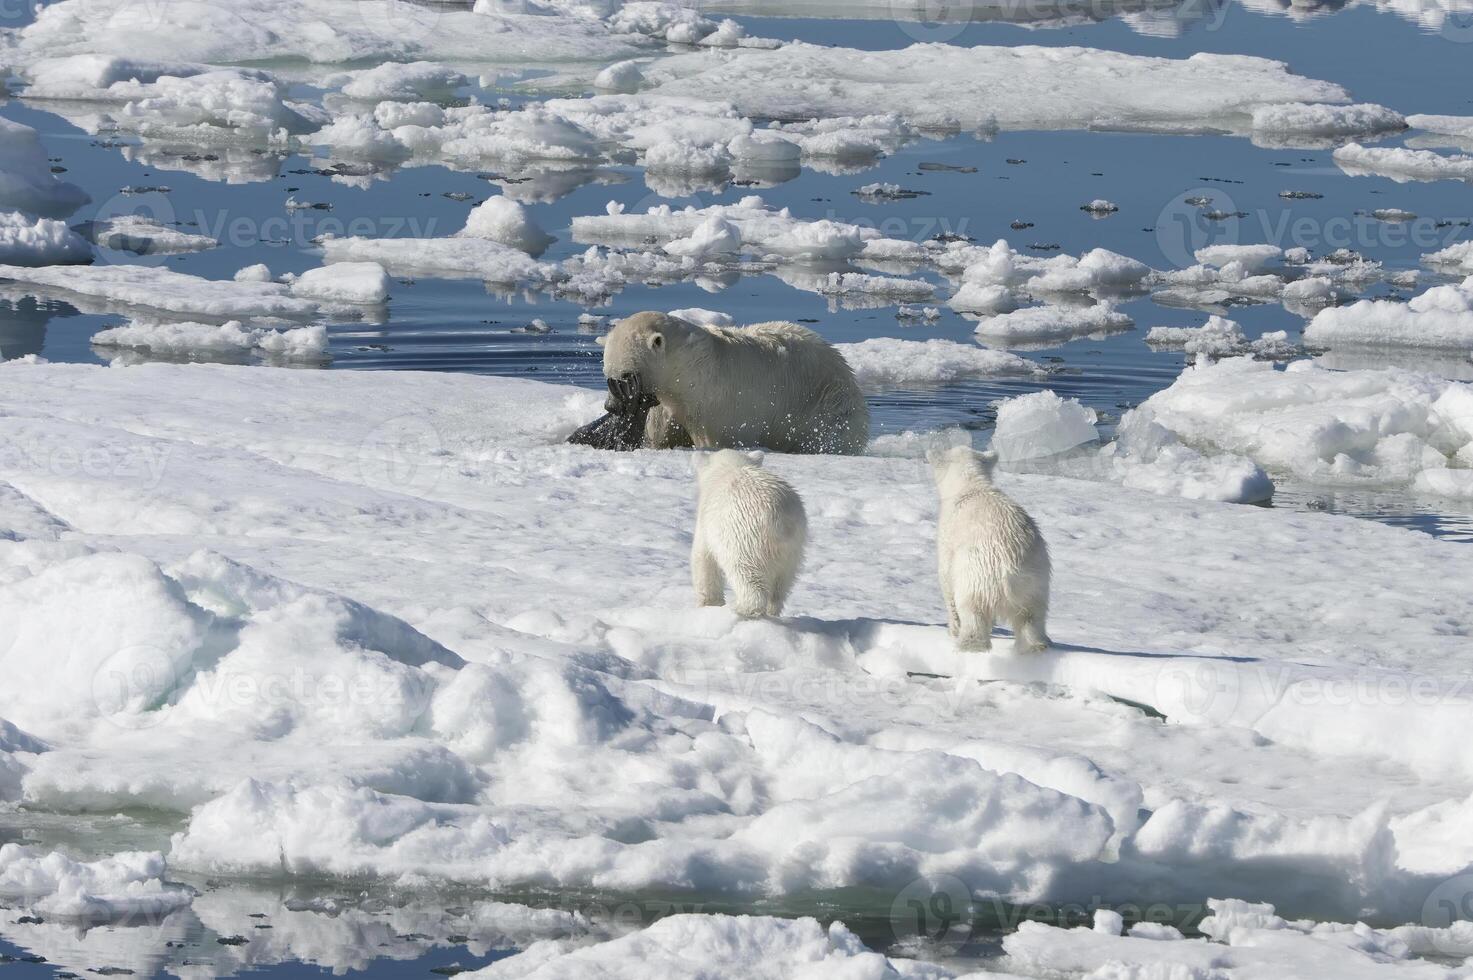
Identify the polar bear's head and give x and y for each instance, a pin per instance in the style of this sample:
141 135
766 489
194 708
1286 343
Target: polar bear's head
724 461
959 466
642 354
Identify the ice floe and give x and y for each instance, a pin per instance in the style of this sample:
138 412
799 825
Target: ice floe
1041 424
983 87
1402 165
888 361
1439 318
205 339
321 31
1221 337
1049 325
1456 259
143 235
149 288
1298 124
185 102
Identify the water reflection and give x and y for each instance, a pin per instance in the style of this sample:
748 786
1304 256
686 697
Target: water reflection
232 929
23 321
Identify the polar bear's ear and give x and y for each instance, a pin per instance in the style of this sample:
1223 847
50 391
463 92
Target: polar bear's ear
988 459
656 340
601 339
756 457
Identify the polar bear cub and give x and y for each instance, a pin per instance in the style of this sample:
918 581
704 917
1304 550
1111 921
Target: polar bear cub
750 532
993 561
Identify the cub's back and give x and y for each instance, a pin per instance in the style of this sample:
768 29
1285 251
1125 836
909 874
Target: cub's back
990 521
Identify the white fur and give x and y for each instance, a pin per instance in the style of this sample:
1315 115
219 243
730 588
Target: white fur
992 559
750 532
774 385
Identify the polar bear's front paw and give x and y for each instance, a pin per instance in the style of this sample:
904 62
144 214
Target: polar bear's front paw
974 644
710 600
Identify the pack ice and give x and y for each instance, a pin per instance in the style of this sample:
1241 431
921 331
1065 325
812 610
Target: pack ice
404 659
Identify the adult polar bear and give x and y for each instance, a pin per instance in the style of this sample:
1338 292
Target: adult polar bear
774 385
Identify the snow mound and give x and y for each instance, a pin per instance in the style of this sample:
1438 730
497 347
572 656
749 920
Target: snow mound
1365 427
1147 456
39 241
500 219
1221 337
53 884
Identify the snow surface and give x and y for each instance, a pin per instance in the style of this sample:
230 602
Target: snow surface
404 657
